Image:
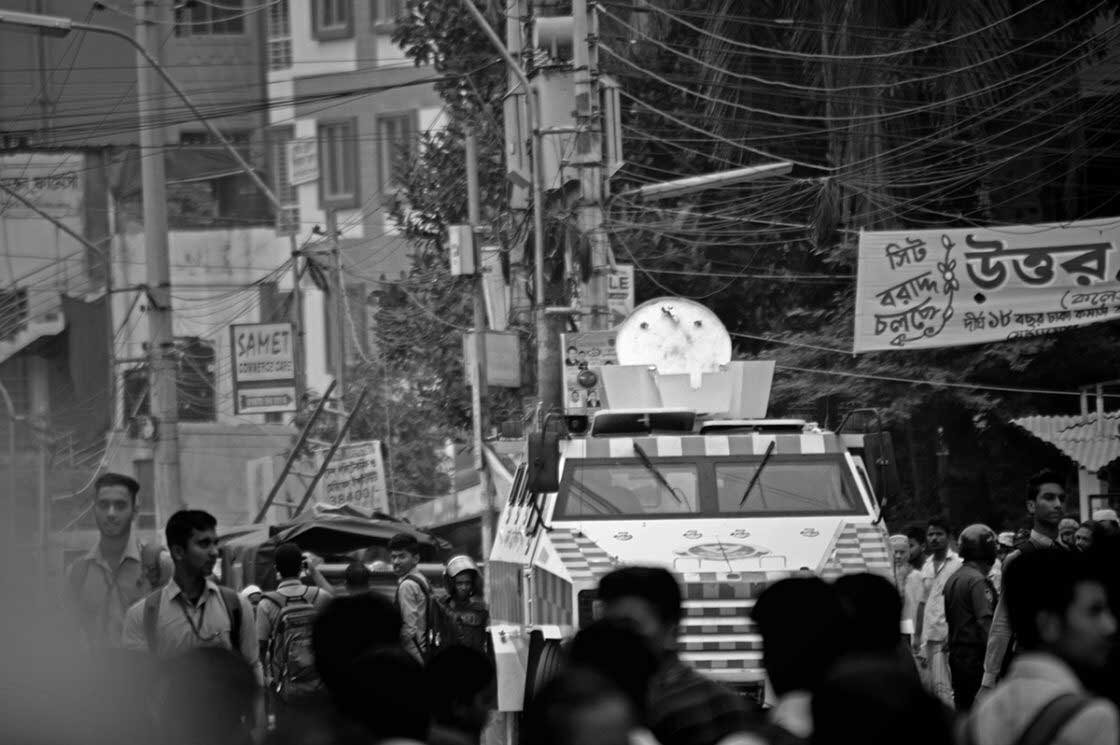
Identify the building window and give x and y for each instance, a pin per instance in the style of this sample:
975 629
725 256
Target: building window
287 221
332 19
385 13
222 17
279 36
396 138
338 164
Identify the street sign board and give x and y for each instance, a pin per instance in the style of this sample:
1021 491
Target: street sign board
503 357
303 161
262 352
266 400
620 292
356 476
262 358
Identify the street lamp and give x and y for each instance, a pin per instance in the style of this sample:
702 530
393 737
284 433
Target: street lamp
689 184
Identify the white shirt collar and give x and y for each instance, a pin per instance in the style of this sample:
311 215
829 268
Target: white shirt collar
172 590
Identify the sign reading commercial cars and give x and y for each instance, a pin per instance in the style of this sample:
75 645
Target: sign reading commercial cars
923 289
264 370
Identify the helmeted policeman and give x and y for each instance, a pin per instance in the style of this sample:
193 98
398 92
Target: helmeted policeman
466 614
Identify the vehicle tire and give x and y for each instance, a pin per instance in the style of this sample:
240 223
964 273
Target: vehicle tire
544 663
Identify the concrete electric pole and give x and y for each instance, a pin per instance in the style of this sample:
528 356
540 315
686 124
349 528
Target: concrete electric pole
477 373
150 14
588 159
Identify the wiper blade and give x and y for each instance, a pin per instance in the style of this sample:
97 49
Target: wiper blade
644 458
758 472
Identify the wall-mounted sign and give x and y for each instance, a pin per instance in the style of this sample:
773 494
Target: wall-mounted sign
620 293
503 357
303 161
356 476
584 354
923 289
262 358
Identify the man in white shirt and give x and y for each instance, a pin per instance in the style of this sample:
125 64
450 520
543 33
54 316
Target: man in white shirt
1059 612
192 610
1046 503
933 629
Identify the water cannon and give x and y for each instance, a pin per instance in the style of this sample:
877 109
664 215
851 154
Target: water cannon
676 353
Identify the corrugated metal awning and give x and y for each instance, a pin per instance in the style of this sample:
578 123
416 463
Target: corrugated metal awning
1090 443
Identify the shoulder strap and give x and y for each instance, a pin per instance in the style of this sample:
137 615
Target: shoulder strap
233 607
423 588
275 598
1050 720
151 618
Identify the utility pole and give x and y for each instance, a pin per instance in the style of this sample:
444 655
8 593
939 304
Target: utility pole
477 372
339 329
588 157
548 333
161 335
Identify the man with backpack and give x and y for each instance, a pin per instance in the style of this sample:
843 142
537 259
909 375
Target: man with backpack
414 597
1059 611
284 620
192 610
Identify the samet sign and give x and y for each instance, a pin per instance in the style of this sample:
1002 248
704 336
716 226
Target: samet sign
262 357
262 352
924 289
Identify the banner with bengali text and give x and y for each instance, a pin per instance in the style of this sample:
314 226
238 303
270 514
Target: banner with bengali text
922 289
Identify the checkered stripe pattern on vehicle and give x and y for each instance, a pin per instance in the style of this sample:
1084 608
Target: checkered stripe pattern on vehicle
807 443
552 598
583 559
860 548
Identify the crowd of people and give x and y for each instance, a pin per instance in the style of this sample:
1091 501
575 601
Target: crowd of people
976 642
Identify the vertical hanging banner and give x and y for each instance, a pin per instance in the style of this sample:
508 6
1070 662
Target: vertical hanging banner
584 354
923 289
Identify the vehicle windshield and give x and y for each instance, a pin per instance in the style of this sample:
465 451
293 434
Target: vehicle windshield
708 486
629 489
817 487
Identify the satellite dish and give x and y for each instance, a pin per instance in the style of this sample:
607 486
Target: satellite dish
675 335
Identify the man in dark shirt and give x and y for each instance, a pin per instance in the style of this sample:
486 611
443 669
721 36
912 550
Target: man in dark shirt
685 708
970 601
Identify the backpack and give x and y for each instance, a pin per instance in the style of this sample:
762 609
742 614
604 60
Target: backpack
290 654
1044 728
436 618
229 598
